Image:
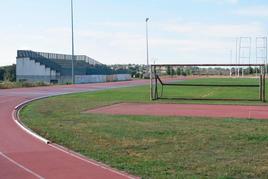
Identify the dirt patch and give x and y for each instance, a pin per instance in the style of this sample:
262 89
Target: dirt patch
198 110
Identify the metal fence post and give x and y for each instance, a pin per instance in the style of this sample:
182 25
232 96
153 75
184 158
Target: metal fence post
260 87
155 88
151 81
263 84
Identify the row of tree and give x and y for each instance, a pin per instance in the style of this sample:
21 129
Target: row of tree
179 71
210 71
135 70
8 73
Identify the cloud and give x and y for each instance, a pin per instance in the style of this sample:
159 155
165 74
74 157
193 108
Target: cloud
199 42
220 1
123 47
124 42
253 11
215 30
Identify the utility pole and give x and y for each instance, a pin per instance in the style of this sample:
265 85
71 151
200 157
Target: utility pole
147 44
236 57
72 22
231 61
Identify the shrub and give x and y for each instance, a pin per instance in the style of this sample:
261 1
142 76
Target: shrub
9 85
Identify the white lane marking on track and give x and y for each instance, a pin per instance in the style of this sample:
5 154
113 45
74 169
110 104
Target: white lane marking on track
91 162
69 153
21 166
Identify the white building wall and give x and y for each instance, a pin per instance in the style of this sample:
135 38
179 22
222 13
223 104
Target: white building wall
101 78
25 66
30 70
123 77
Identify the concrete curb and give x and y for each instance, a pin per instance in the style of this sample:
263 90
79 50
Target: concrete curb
16 118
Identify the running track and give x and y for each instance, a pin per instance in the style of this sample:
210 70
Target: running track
24 156
196 110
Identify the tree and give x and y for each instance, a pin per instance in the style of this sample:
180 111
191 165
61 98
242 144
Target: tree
178 71
251 70
2 72
188 72
8 73
172 72
168 70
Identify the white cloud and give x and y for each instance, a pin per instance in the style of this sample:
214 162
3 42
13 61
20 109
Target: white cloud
220 1
197 42
215 30
119 42
253 11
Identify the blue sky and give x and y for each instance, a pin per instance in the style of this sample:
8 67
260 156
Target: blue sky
113 31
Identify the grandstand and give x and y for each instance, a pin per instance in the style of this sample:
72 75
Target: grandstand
56 68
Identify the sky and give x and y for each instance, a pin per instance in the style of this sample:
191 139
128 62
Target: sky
113 31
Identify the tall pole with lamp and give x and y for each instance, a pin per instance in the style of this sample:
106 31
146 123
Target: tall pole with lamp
147 44
72 22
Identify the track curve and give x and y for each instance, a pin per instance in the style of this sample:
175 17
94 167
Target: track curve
25 156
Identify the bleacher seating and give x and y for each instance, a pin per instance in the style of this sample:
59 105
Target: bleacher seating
63 64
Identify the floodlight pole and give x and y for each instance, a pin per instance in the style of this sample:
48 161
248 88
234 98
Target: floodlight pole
236 57
147 42
231 60
72 20
265 53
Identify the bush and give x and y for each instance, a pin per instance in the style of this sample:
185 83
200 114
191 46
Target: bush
9 85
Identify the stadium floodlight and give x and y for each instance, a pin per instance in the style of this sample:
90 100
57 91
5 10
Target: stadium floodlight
147 41
72 22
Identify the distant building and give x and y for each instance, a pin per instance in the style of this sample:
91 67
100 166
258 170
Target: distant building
57 68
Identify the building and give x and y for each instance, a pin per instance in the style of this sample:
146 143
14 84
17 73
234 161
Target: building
57 68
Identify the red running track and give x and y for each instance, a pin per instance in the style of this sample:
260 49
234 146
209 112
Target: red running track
24 156
198 110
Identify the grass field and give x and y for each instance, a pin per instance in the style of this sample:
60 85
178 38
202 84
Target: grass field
155 147
214 92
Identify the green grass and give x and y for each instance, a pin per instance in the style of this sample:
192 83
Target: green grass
214 92
153 147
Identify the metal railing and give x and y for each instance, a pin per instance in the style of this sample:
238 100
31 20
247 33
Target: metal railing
32 54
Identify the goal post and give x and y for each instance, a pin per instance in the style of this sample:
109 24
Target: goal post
158 83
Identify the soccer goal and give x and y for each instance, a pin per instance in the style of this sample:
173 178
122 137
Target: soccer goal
208 82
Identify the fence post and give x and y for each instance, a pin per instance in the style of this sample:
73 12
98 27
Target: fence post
155 88
260 93
151 81
263 85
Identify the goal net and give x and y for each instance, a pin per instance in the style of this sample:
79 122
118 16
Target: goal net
208 82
